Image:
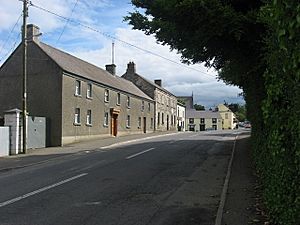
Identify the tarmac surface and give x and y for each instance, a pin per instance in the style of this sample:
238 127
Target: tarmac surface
241 196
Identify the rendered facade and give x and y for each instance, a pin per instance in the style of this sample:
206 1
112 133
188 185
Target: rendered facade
229 118
80 100
203 120
165 101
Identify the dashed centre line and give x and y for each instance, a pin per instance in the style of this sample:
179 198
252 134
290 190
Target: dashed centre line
139 153
8 202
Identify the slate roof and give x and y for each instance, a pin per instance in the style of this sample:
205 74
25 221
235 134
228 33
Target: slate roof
154 84
202 114
76 66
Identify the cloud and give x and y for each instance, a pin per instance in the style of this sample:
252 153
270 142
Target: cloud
106 16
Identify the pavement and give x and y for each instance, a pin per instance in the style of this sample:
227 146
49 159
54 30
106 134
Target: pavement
241 198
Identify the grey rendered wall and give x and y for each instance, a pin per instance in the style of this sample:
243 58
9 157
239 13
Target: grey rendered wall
98 106
4 140
43 85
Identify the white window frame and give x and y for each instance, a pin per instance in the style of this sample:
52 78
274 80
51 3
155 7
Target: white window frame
77 116
128 101
106 95
139 122
106 119
143 106
89 117
89 91
77 88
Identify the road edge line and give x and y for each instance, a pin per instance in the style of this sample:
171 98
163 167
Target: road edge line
219 216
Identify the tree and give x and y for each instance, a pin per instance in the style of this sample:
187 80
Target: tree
199 107
254 45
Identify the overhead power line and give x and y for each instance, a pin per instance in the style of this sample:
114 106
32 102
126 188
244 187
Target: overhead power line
9 35
118 39
67 21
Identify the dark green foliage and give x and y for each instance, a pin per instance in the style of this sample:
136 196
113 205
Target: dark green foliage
254 45
199 107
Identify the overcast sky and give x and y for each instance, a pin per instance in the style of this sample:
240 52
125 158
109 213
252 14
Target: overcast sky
106 16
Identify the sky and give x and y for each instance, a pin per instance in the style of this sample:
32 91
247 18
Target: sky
88 30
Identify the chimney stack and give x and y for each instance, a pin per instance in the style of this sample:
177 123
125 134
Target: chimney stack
158 82
111 69
131 68
33 33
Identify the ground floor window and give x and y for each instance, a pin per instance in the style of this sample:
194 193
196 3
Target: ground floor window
128 121
77 116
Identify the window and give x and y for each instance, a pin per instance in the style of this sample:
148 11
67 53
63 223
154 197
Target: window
128 121
162 118
77 116
151 123
226 115
105 119
106 95
149 107
118 99
158 118
89 91
191 120
139 122
78 88
128 101
89 117
143 106
214 120
202 120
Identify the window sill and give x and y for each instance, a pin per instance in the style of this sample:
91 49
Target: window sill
128 107
105 125
77 95
118 104
88 125
128 127
90 98
77 124
106 101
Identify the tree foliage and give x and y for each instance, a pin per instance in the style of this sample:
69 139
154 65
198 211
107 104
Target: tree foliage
254 45
199 107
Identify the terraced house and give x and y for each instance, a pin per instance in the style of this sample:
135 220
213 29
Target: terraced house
165 101
79 100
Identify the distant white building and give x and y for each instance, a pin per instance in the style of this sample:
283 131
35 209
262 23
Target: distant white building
203 120
180 116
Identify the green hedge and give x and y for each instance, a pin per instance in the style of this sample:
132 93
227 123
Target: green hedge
277 151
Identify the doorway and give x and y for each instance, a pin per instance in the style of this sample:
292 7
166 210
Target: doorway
114 121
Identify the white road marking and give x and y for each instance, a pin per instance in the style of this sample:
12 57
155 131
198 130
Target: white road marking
148 150
40 190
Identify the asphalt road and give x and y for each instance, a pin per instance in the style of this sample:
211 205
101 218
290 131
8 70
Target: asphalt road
170 180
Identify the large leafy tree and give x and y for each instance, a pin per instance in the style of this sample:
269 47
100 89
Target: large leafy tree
225 34
254 45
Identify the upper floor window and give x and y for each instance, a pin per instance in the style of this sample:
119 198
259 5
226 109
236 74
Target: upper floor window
128 101
143 106
158 118
214 120
106 95
77 116
202 120
89 117
89 91
149 107
78 87
118 99
191 120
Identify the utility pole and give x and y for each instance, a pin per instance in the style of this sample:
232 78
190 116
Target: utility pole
24 97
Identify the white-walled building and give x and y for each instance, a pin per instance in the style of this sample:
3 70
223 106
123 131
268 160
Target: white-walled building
181 116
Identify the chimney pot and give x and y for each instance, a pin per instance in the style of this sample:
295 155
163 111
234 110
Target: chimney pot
158 82
33 33
131 68
111 69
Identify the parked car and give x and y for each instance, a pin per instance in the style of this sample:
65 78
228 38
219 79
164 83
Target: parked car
247 124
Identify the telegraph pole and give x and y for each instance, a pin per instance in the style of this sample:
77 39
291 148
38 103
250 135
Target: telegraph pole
24 97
